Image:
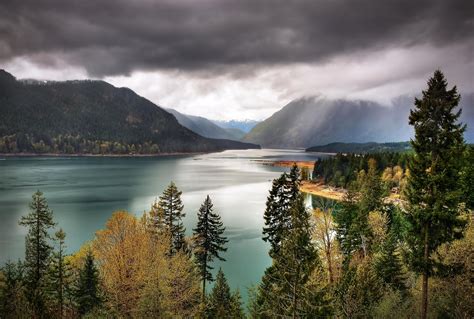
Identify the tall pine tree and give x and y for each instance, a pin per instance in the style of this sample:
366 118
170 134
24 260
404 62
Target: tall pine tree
433 190
60 274
277 214
345 218
284 291
172 206
221 303
38 250
209 241
88 294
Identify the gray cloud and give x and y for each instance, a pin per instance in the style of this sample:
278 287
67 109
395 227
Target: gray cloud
111 37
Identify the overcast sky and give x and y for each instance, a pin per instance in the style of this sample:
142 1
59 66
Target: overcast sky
245 59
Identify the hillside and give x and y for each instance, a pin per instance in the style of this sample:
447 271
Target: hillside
205 127
91 117
361 148
314 121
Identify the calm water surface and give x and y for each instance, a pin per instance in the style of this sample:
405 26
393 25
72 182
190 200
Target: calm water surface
83 192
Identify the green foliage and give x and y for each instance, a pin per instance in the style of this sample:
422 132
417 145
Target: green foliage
342 170
467 178
433 191
60 277
359 291
221 303
345 218
88 293
172 217
38 250
389 265
361 148
209 240
393 305
284 289
13 292
277 214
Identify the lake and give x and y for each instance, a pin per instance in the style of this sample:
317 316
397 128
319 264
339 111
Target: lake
84 191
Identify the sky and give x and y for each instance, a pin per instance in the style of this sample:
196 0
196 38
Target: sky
245 59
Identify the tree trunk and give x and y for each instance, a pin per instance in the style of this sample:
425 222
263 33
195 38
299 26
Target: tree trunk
331 276
204 289
61 284
424 302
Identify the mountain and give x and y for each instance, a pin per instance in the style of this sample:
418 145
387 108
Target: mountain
361 148
245 125
236 132
314 121
205 127
91 117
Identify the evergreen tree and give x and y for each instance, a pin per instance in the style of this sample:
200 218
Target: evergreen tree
209 241
359 290
433 191
173 214
389 265
292 267
371 195
236 308
60 274
467 178
155 221
277 214
371 189
88 294
344 218
220 299
13 299
38 250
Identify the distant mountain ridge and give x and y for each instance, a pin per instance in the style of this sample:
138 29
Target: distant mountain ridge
80 116
205 127
245 125
361 148
314 121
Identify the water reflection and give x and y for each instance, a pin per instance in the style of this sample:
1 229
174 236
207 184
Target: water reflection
83 192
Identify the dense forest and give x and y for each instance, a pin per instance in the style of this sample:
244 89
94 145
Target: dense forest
91 117
361 148
361 258
342 170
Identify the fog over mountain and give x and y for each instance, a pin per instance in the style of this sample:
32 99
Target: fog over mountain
205 127
244 125
315 121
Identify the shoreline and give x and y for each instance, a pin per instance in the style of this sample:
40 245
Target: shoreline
101 155
286 163
321 190
337 194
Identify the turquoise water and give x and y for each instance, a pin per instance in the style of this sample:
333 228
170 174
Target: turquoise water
83 193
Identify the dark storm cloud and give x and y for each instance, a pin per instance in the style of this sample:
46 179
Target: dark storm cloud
111 37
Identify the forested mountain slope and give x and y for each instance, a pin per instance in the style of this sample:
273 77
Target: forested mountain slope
316 121
91 117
